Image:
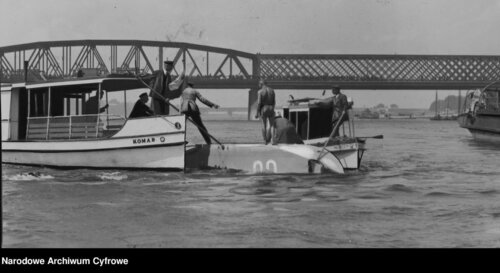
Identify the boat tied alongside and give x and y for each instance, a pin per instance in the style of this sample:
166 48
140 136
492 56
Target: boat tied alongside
481 115
313 124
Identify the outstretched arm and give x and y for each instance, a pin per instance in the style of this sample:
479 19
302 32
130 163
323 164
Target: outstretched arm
205 101
325 103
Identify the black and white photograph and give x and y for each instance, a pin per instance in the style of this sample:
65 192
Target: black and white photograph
244 124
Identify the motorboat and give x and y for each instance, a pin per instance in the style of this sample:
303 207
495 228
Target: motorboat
50 124
481 115
313 124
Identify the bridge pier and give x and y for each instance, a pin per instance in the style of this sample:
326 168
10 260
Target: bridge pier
252 103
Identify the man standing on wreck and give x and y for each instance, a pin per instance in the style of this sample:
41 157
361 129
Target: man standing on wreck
265 110
190 109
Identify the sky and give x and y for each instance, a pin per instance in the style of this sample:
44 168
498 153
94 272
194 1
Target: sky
460 27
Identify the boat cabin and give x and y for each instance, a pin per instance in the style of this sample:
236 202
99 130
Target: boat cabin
313 121
483 102
65 109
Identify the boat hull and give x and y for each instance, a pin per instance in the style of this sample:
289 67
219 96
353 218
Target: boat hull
148 143
481 127
170 156
349 153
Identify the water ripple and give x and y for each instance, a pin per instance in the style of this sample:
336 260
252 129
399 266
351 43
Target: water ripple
30 176
438 194
489 192
112 176
399 188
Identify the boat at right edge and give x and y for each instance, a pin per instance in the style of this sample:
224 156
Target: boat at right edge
481 115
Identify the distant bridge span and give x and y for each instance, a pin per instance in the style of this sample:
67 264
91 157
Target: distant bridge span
214 67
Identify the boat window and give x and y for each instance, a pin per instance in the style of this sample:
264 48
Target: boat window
302 124
5 105
5 114
122 102
78 111
92 102
132 97
321 122
57 102
39 102
492 100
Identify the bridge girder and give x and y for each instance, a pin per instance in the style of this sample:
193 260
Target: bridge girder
213 67
379 71
53 60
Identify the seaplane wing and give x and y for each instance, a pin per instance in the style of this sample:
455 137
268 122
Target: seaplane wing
260 158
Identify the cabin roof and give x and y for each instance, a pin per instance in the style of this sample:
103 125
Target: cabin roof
8 86
108 83
302 106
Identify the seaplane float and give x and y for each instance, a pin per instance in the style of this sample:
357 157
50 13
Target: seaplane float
52 123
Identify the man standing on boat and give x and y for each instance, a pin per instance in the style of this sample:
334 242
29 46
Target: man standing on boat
140 108
190 109
340 104
164 89
265 110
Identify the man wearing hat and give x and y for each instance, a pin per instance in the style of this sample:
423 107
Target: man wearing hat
339 103
190 109
164 91
140 108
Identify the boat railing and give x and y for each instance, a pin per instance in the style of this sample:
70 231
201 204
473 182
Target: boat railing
491 101
73 127
482 102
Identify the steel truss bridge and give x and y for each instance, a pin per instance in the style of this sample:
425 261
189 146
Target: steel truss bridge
217 68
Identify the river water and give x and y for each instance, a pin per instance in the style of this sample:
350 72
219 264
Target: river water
426 184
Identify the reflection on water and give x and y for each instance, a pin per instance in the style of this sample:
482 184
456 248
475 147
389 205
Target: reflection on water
424 185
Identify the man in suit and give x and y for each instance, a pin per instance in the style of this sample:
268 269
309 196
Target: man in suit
140 108
340 104
161 83
190 109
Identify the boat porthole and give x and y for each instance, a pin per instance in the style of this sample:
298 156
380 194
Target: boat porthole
178 126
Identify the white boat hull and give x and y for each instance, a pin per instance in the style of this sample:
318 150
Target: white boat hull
151 143
153 157
482 127
349 154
